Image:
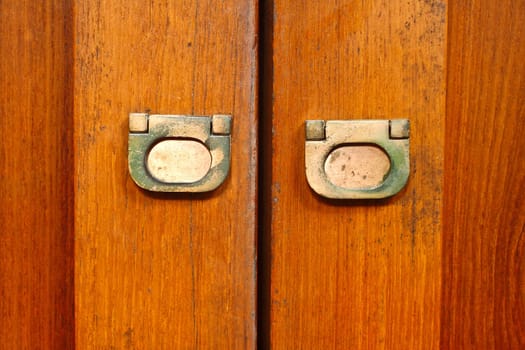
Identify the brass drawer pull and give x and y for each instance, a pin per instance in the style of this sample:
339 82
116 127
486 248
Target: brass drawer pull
357 159
178 153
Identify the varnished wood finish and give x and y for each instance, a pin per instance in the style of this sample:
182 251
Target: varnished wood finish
36 184
163 271
355 275
483 304
439 265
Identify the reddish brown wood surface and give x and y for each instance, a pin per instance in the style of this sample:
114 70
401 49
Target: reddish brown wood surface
36 184
355 275
163 271
439 265
483 304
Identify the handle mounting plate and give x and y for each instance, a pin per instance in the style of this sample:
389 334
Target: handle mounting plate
179 153
364 144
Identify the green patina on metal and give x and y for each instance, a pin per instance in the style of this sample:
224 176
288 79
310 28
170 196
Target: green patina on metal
392 136
216 138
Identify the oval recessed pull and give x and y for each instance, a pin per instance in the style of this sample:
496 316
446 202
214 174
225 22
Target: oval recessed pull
357 158
179 153
178 161
361 166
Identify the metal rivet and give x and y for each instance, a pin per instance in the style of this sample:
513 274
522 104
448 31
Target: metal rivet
138 122
399 129
315 130
221 124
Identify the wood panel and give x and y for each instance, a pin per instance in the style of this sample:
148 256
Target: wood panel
163 271
357 274
483 304
36 202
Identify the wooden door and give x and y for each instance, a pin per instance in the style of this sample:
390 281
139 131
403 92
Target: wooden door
357 274
153 270
89 261
36 176
441 264
150 271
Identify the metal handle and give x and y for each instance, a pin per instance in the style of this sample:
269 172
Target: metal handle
356 159
178 153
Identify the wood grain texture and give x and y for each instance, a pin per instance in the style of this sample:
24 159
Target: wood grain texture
356 275
166 271
483 304
36 185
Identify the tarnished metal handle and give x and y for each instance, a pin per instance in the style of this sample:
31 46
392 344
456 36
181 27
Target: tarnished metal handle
178 153
357 159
